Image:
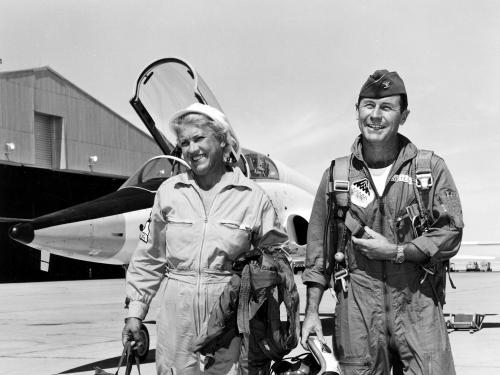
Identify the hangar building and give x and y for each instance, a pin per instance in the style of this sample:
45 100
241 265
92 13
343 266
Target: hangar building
59 146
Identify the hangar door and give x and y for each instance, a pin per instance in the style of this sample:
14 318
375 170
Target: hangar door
47 140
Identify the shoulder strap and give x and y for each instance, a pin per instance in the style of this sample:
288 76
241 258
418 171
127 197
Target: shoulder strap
337 205
423 172
339 180
423 181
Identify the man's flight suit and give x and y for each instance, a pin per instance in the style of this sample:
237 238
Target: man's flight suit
387 312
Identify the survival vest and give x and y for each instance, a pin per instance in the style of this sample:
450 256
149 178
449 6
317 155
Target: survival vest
339 218
250 305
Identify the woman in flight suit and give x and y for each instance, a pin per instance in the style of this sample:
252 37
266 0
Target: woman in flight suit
201 221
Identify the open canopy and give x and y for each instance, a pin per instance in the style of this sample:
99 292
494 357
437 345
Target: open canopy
163 88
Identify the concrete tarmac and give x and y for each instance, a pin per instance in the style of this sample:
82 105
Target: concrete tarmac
72 326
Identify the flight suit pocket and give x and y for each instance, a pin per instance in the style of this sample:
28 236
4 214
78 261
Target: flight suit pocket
176 221
178 238
439 363
354 367
234 238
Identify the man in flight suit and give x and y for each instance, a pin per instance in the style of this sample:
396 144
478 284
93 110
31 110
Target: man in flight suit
399 232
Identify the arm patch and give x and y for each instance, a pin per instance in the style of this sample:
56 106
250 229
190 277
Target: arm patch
450 204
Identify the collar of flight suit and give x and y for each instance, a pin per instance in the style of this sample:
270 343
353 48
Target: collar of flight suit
236 179
407 151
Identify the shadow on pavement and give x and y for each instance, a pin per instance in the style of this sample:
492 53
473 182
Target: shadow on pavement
108 363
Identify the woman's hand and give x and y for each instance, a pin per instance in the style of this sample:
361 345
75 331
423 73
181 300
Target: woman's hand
131 332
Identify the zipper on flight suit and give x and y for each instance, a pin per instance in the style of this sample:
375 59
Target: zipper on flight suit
381 205
198 279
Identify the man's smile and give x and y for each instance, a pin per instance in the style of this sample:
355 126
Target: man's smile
375 126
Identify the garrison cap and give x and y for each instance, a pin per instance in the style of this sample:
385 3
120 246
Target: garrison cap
381 84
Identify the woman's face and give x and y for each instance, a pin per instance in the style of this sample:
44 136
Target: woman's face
201 150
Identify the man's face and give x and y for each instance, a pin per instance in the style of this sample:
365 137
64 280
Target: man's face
379 119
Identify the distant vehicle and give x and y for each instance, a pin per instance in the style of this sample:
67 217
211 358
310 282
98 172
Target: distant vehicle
472 267
475 256
485 267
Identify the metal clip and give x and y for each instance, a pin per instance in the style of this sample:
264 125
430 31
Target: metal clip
428 271
341 275
424 181
340 185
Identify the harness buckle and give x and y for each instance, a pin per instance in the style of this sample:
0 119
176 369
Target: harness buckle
341 185
341 275
424 181
428 270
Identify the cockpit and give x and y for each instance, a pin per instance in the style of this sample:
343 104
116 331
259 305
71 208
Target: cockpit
155 171
159 168
260 166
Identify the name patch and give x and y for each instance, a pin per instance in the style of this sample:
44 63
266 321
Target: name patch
402 178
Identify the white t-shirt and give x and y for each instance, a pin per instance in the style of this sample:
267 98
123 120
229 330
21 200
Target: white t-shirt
379 177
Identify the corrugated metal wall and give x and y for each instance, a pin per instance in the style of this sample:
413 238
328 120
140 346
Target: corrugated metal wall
86 127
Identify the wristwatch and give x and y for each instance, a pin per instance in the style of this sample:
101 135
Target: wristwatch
400 254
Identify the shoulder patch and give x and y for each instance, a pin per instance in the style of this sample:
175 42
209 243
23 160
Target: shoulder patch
450 203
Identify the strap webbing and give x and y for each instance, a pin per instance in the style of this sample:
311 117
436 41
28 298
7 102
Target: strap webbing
338 199
128 354
424 161
423 181
244 299
341 181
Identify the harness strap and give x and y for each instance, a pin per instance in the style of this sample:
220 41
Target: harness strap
244 299
341 191
127 354
423 170
338 208
423 183
291 300
328 230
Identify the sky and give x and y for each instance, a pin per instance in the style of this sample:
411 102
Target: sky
287 73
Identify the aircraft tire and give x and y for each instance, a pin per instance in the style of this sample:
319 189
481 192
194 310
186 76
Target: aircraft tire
143 353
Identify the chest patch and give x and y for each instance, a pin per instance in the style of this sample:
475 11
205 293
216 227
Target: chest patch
361 193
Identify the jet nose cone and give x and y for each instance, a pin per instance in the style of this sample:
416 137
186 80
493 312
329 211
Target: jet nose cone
22 232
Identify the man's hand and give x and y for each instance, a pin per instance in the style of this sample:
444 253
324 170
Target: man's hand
131 332
311 324
377 247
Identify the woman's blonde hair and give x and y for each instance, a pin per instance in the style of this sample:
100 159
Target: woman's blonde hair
222 132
